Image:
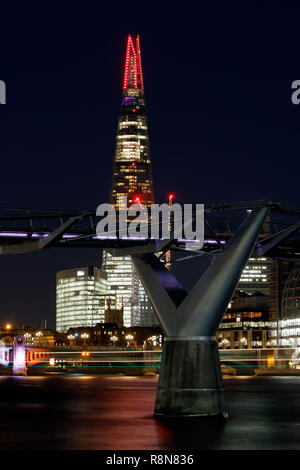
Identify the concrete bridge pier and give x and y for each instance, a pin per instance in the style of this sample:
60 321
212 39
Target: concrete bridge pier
190 381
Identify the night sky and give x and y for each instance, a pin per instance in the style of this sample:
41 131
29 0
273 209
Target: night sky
218 94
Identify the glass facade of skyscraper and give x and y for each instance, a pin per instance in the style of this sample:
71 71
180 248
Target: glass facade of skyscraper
79 298
132 177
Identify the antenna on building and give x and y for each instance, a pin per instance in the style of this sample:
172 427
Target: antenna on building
168 253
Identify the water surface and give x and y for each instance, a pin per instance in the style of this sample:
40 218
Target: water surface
116 412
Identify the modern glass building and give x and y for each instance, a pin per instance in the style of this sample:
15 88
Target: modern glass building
256 276
289 325
132 177
79 298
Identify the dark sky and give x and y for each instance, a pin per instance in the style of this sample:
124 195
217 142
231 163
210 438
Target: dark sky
218 93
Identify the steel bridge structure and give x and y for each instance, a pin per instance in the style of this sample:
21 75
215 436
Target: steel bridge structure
24 230
190 382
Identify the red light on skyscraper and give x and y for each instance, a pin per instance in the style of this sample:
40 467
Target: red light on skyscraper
171 196
133 77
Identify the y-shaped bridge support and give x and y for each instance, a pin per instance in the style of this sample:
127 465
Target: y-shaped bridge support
190 381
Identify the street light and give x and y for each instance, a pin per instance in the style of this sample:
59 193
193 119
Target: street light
150 341
39 334
84 336
8 326
114 339
243 341
225 342
128 338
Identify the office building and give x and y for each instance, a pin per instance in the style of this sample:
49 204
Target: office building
79 298
256 276
246 324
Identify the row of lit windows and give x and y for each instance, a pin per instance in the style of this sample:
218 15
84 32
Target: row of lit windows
127 124
77 285
249 324
289 323
290 332
131 136
244 315
256 270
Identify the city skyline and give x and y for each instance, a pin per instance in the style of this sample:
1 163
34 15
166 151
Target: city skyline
196 107
222 126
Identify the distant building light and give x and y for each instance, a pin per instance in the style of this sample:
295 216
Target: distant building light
80 273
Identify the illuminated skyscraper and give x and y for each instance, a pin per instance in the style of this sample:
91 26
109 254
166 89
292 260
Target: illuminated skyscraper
132 177
79 298
256 277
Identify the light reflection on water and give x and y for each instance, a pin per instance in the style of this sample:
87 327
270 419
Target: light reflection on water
116 412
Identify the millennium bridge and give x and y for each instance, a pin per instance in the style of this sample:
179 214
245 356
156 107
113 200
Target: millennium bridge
190 381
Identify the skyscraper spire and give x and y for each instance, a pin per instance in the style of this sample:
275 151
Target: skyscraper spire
133 75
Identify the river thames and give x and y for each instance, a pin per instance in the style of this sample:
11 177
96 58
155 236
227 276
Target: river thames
116 412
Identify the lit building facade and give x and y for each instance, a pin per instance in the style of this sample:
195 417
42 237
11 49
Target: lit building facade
266 276
289 324
244 330
102 334
256 276
79 298
246 324
132 177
